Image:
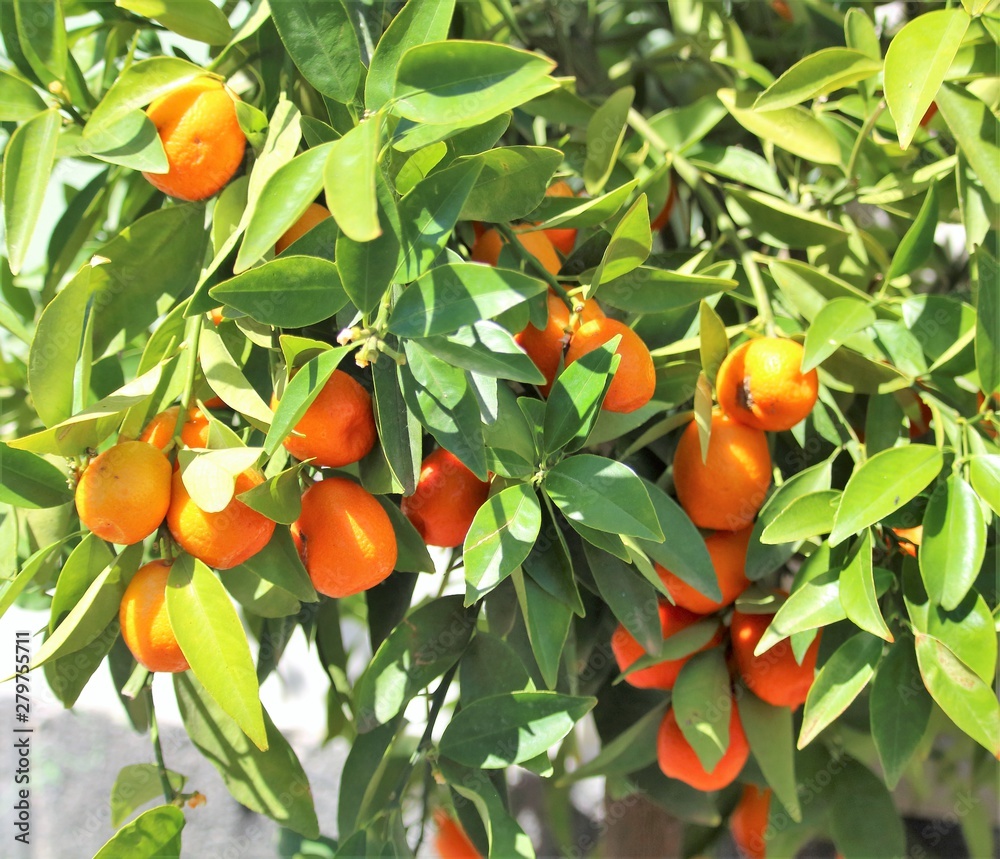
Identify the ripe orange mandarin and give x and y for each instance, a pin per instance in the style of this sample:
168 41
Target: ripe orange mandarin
159 432
446 500
451 842
728 551
909 539
726 491
223 539
761 384
145 625
634 382
202 137
748 822
348 544
487 248
678 760
562 238
310 218
124 493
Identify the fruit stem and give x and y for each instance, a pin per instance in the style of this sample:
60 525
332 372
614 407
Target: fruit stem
154 734
533 263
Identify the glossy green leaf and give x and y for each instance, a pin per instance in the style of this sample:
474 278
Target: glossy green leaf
85 563
133 142
629 596
740 165
29 481
41 30
882 485
457 294
860 33
984 472
488 349
19 100
817 74
502 730
702 700
279 498
605 133
27 164
857 590
777 222
225 377
135 785
975 128
321 41
154 833
807 516
910 88
399 435
490 666
771 734
987 297
633 749
419 650
502 533
918 242
13 588
838 683
629 246
210 477
954 542
366 764
579 213
349 180
200 20
212 639
713 340
547 620
863 818
654 290
815 603
835 323
575 398
511 184
681 128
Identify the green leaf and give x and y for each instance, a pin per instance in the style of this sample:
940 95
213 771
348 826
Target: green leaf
321 41
135 785
502 730
629 246
501 536
770 733
984 472
511 184
911 87
27 164
213 642
154 833
954 542
987 295
835 323
817 74
900 709
882 485
365 765
547 619
605 133
860 33
19 100
29 481
575 399
633 749
133 142
976 129
815 603
399 435
288 292
654 290
210 477
225 377
488 349
838 683
270 782
603 494
490 666
632 599
200 20
41 30
349 180
965 698
85 563
416 23
792 128
702 700
918 242
420 649
574 212
713 341
457 294
807 516
863 817
279 498
13 588
441 81
779 223
857 590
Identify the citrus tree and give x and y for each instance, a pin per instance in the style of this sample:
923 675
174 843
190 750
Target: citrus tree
679 351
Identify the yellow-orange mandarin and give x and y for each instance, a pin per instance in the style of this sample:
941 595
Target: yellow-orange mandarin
728 551
144 621
487 248
748 822
312 216
634 382
446 500
678 760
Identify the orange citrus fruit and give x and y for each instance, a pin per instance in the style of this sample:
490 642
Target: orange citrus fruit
748 822
310 218
728 551
123 494
634 381
726 491
446 499
202 138
774 676
678 760
223 539
450 841
909 539
145 625
338 428
487 248
761 384
563 238
159 432
663 675
348 544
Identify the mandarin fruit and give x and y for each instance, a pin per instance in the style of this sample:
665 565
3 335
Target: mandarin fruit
726 491
145 624
678 760
909 539
310 218
446 500
563 238
450 841
728 551
748 822
761 384
159 432
202 138
124 493
348 544
634 382
223 539
487 247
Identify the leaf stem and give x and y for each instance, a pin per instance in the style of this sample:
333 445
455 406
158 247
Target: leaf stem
154 733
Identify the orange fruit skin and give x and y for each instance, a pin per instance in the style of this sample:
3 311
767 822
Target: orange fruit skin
563 238
748 822
760 384
726 491
728 551
450 840
223 539
487 247
215 314
774 676
160 430
446 500
663 675
310 218
634 382
348 544
145 625
909 539
545 346
782 10
338 428
202 138
678 760
123 494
